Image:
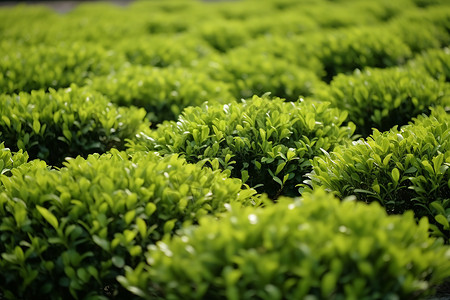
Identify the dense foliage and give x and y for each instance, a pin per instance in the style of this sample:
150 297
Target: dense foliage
383 98
67 122
341 251
403 169
121 124
266 142
74 229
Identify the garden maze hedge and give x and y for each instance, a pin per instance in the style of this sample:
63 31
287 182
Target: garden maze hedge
254 149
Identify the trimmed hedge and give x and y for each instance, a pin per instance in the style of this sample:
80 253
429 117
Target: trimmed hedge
403 169
310 248
70 232
265 142
383 98
26 68
66 122
164 93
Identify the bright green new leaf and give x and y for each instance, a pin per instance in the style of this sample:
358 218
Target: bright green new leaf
48 216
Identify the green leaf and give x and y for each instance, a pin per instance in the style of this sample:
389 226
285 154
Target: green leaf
443 221
169 225
118 261
36 126
244 176
129 216
142 227
150 208
48 216
438 207
395 175
103 243
280 167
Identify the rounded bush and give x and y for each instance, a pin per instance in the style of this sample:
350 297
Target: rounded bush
435 62
164 93
383 98
311 248
403 169
344 50
39 66
161 51
65 122
266 142
250 74
69 232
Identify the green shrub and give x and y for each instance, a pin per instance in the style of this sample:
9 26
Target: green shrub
223 35
383 98
10 160
419 35
26 68
251 74
435 62
265 142
164 93
293 50
69 232
343 51
403 169
67 122
310 248
162 51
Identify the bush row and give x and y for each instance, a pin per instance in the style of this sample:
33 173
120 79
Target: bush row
70 232
264 141
65 122
309 248
404 169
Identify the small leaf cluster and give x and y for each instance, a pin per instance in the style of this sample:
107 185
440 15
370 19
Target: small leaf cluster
315 247
71 231
264 141
26 68
65 122
10 160
383 98
163 93
403 169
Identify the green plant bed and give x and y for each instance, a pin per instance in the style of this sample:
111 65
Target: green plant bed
310 248
264 141
69 232
65 122
403 169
